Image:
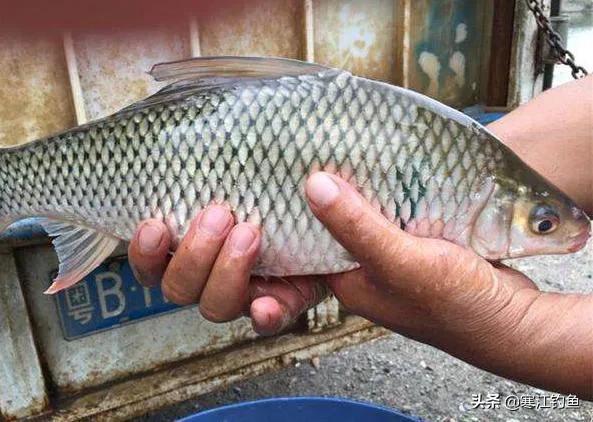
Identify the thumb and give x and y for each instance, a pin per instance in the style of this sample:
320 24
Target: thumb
376 243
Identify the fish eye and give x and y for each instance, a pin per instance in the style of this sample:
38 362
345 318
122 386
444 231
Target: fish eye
544 219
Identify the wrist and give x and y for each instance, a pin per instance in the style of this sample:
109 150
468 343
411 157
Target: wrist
542 339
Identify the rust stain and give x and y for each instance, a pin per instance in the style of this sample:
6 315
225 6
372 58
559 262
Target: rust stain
113 65
357 35
35 96
197 376
262 28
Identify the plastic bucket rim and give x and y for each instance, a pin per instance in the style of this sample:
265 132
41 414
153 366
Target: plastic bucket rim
331 399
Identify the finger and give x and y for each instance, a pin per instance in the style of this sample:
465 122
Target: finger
149 252
515 278
378 244
268 316
225 295
190 266
359 295
277 303
349 218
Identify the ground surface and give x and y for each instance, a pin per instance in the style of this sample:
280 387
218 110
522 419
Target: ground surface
412 377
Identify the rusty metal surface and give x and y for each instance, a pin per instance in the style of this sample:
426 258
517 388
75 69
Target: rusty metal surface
446 53
357 35
34 91
198 376
118 353
22 387
261 28
500 58
324 315
112 66
524 80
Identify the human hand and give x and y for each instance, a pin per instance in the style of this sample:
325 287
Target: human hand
212 267
427 289
442 294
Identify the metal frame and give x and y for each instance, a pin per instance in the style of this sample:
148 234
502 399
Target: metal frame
199 376
525 78
22 389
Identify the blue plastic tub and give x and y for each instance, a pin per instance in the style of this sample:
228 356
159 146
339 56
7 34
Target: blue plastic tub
299 409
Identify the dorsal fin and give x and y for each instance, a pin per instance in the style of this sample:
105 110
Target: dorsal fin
232 67
203 73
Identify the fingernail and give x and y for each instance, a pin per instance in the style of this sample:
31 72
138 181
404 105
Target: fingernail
242 238
214 220
149 238
322 190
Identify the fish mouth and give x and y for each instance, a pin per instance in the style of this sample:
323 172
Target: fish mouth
579 241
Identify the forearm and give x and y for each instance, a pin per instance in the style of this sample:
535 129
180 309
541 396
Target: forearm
546 340
553 133
562 343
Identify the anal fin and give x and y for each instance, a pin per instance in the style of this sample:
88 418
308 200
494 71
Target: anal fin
80 250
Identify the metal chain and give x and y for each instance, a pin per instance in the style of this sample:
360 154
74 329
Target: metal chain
554 40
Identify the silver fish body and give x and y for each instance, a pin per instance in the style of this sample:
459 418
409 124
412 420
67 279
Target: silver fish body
251 143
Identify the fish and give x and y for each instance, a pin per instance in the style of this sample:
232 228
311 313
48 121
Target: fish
247 132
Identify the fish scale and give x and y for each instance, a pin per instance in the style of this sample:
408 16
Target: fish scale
251 143
250 146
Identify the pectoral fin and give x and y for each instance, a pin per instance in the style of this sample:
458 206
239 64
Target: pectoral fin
80 250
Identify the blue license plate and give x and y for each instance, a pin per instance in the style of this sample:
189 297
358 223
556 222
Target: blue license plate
108 298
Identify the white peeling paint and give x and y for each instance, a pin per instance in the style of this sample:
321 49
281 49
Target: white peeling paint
356 38
460 33
457 65
429 63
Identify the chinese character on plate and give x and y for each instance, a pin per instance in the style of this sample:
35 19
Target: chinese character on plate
79 303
